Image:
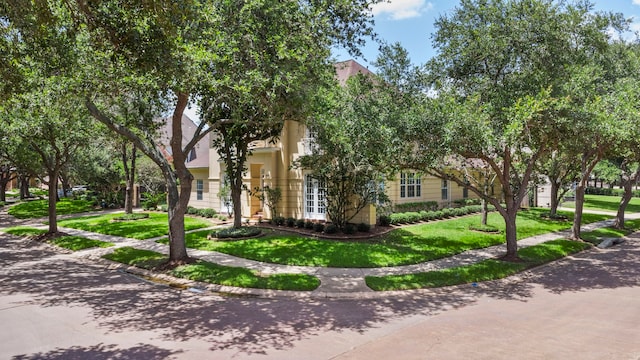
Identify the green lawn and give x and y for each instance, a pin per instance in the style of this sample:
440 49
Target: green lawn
606 203
483 271
155 225
408 245
216 274
39 208
73 243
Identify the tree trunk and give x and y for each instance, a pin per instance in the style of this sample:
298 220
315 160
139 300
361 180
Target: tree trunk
510 233
485 212
129 177
177 248
53 195
577 217
24 187
553 210
236 197
627 183
3 188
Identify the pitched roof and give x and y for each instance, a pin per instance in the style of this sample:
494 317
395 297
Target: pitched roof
349 68
199 156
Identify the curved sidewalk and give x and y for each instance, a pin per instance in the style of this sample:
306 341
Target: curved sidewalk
334 282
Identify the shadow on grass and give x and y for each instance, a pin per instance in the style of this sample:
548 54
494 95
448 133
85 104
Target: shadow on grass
260 326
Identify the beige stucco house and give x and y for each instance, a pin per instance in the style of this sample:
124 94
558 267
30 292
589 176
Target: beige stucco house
302 195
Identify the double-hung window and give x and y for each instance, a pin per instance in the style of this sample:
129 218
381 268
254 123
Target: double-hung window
410 185
199 189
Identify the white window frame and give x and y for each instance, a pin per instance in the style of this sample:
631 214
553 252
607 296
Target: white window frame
410 185
199 189
444 190
314 199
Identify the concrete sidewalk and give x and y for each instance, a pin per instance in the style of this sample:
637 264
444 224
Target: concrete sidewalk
335 282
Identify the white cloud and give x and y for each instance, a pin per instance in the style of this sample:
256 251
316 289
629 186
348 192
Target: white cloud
403 9
636 2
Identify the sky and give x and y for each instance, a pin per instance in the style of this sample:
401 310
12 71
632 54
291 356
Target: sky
410 22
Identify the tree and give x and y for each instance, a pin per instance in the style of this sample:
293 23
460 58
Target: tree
167 54
48 121
499 101
561 171
354 138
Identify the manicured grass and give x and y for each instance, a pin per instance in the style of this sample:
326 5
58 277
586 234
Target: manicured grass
24 231
408 245
216 274
483 271
596 236
39 208
74 243
155 225
606 203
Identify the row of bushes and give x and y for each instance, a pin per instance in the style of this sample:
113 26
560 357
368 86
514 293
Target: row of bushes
416 206
414 217
317 226
609 192
207 213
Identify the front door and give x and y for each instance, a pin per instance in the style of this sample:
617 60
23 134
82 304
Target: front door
314 206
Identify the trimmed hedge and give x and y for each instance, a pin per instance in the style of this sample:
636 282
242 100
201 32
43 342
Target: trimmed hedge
416 206
231 232
609 192
414 217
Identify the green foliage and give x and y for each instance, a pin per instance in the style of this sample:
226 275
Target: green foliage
607 203
330 229
39 208
318 227
76 243
300 223
416 206
145 259
207 213
291 222
232 232
24 231
384 220
278 220
241 277
483 271
131 217
156 225
308 224
408 245
349 229
414 217
364 227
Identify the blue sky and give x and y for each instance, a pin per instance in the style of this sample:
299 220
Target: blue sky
410 22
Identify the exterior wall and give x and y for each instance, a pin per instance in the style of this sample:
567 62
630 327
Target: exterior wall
200 174
431 190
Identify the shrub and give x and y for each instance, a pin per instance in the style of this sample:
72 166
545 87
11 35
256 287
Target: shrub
164 207
191 210
291 222
349 229
416 206
318 227
236 232
438 215
447 212
384 220
364 227
397 218
208 213
330 229
485 228
300 223
424 215
413 217
308 225
131 217
278 220
150 204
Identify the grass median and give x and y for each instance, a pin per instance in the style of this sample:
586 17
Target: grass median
490 269
407 245
40 208
69 242
216 274
153 226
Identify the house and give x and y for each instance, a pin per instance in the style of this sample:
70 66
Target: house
302 195
197 160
